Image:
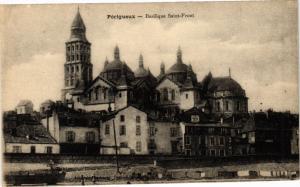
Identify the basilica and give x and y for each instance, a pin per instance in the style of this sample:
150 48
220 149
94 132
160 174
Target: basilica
138 112
133 112
173 91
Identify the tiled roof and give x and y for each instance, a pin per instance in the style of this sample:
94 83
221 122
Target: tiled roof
78 119
27 134
225 84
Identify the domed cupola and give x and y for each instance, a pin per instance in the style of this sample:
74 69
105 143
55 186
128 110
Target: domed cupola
221 84
141 71
178 72
113 70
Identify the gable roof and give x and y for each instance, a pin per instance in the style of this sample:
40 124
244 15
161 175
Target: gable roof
27 134
111 115
99 77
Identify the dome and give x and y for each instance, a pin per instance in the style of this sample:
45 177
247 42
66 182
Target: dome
141 72
48 101
113 65
116 64
225 84
178 68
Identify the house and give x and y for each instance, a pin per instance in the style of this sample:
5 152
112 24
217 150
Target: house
127 129
165 136
204 135
77 132
267 133
25 135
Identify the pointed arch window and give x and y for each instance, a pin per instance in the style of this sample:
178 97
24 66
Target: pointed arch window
173 95
165 94
77 57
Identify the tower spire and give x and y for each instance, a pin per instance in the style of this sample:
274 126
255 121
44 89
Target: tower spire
162 68
117 53
141 61
78 28
179 55
105 62
229 71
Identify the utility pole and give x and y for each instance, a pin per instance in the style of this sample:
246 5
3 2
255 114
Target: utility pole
110 95
116 146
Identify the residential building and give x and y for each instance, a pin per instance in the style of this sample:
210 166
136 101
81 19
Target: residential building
22 134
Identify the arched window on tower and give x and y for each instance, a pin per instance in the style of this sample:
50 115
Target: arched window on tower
72 81
72 69
77 57
77 68
165 94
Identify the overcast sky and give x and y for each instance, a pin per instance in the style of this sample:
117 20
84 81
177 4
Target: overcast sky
257 40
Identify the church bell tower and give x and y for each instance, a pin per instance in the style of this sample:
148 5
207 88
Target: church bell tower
78 69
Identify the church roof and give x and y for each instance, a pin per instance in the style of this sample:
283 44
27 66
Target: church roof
225 84
141 72
116 64
178 68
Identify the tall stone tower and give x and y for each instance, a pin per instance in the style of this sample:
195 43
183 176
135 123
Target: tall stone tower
78 67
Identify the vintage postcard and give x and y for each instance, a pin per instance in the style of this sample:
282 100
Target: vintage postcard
131 93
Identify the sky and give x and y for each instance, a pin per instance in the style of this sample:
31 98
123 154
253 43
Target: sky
256 40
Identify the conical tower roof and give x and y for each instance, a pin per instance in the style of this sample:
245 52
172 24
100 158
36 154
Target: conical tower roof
78 29
78 22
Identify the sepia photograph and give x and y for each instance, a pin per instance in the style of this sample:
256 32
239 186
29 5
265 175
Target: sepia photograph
149 93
